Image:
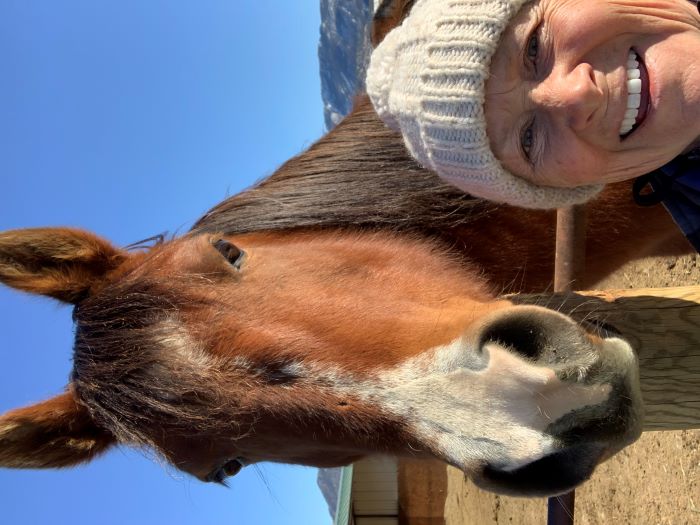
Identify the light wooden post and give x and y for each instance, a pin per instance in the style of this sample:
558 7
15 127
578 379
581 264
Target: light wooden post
569 257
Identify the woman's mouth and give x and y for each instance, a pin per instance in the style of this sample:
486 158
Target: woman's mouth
637 95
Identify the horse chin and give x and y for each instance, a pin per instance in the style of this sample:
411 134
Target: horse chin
551 475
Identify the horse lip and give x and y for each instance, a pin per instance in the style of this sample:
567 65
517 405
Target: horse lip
552 474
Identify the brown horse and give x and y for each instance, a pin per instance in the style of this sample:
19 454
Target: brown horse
343 307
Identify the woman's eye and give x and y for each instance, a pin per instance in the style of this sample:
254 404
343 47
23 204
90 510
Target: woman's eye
527 140
532 46
231 252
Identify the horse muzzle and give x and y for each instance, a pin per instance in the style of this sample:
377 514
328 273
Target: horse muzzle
589 408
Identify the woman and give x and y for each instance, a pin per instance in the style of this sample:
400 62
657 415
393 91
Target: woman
539 103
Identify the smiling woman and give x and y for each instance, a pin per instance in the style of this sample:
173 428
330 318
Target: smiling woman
586 100
539 103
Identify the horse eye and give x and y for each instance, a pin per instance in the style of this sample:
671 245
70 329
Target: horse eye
228 469
233 467
232 253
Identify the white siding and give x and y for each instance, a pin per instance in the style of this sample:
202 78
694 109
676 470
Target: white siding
375 491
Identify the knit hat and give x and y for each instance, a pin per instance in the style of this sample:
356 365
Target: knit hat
427 78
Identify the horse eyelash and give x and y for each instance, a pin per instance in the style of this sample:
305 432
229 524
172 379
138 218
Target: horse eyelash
156 240
215 478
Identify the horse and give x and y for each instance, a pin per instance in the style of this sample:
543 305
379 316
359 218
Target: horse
350 304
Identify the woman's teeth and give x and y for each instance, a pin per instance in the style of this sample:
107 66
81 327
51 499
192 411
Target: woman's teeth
634 90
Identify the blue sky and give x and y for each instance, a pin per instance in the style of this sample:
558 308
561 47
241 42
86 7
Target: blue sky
131 118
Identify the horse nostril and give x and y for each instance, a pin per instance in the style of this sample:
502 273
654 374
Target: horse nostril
538 334
520 333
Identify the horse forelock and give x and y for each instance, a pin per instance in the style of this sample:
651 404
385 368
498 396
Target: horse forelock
134 365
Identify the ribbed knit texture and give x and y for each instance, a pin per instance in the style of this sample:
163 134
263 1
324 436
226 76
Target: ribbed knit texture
427 79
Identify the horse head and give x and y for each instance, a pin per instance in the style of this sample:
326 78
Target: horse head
315 348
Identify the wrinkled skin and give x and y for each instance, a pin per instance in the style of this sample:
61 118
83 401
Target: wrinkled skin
559 74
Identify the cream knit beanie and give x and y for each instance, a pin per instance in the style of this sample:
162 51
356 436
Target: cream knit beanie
426 79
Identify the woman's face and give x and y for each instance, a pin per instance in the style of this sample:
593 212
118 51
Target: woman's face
558 91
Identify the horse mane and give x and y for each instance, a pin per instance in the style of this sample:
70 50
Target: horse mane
359 175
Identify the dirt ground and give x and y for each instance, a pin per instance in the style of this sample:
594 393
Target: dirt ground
655 481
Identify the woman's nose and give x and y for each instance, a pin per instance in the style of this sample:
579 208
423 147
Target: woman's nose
572 97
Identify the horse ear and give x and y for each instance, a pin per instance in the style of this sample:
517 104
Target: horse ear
62 263
57 432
